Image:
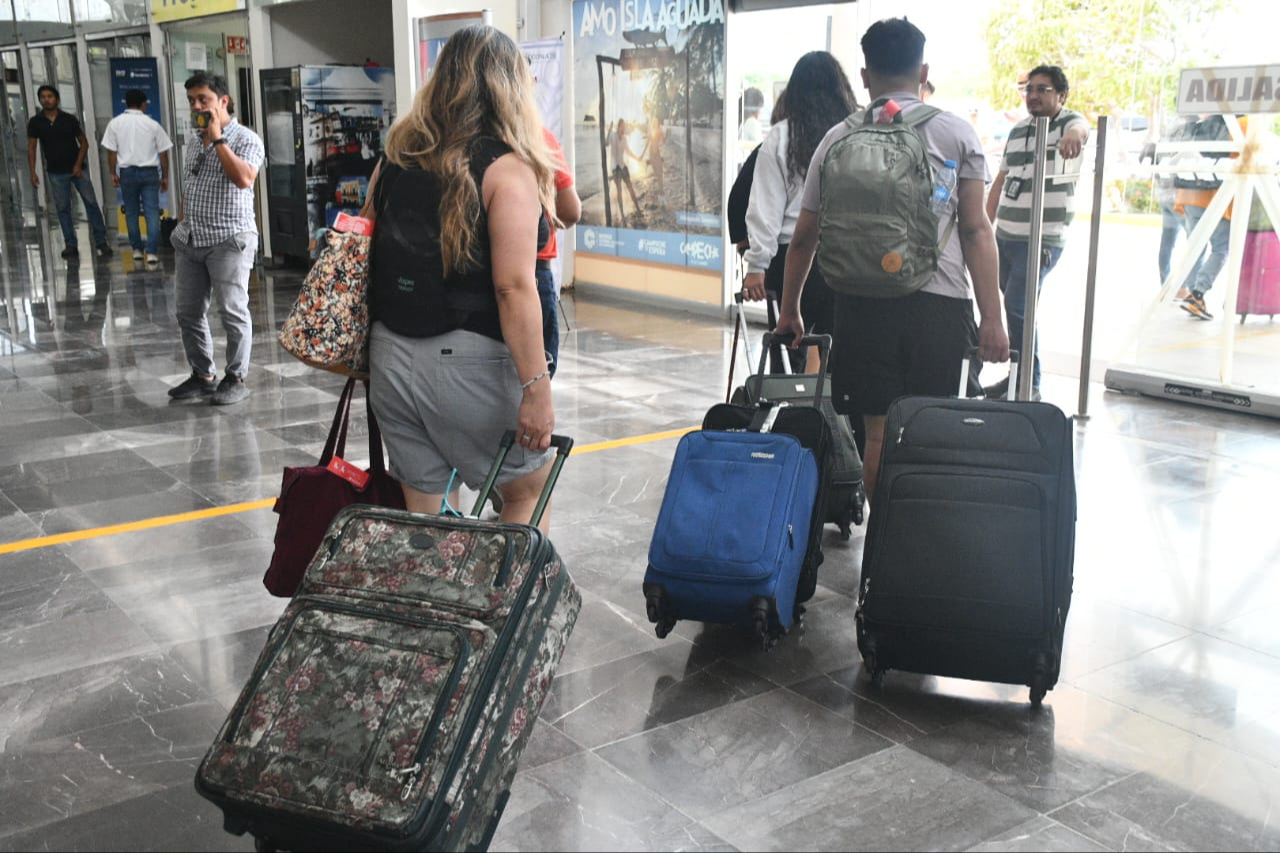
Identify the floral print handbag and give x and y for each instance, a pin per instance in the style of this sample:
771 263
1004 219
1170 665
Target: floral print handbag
329 324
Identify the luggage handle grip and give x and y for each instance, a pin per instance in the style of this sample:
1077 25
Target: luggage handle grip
972 353
822 342
563 445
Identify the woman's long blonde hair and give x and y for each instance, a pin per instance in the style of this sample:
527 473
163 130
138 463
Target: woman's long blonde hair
480 86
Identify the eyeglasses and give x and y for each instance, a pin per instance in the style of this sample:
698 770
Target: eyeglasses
1040 90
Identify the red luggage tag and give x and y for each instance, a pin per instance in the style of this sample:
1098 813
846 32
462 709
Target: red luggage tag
345 222
348 472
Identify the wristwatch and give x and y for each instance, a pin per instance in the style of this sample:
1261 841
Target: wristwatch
218 141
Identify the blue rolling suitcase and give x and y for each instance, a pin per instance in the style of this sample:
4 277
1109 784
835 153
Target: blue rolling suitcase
734 538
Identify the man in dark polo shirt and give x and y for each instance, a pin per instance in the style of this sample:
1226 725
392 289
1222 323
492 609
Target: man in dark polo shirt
63 143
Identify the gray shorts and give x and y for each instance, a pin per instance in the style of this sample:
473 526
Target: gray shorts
443 403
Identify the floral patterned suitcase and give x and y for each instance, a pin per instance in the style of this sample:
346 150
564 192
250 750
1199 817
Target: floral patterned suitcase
395 694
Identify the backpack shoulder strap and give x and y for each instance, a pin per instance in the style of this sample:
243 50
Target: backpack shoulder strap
920 115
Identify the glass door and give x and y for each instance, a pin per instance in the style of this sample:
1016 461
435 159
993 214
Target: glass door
16 184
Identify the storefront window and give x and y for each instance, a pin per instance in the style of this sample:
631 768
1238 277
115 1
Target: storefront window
94 15
42 19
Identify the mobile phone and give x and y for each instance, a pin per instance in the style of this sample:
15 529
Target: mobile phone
201 118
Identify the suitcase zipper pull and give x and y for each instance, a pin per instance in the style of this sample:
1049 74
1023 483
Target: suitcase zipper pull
901 430
866 588
791 539
412 779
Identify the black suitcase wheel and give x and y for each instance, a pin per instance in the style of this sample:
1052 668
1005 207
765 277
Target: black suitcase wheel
1038 690
663 627
859 504
264 845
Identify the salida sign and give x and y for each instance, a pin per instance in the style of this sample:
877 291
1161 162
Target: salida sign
1234 89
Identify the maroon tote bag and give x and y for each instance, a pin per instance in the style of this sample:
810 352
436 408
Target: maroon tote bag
310 497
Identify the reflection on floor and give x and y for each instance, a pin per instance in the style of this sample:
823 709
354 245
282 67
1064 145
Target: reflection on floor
119 656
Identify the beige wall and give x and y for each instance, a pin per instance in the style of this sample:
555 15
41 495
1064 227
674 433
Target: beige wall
656 279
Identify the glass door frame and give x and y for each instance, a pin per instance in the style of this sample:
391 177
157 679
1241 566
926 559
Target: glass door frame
14 130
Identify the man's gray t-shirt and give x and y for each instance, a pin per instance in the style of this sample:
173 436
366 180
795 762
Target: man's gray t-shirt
947 137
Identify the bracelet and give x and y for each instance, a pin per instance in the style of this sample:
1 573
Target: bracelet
524 386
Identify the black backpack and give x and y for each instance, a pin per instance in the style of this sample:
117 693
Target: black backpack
1203 175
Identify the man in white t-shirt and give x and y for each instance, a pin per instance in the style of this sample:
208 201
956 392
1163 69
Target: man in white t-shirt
138 153
885 348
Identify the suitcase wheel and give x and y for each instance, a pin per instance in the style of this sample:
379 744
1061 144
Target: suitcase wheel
264 845
656 610
764 623
859 504
1038 690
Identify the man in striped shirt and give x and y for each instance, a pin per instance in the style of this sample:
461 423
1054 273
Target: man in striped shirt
1009 200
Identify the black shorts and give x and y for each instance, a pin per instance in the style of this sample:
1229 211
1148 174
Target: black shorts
816 301
889 348
621 173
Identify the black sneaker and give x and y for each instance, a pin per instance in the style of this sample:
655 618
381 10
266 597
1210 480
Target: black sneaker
104 251
71 252
1195 307
195 386
230 390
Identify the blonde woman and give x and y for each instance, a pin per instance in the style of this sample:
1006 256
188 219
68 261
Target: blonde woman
461 205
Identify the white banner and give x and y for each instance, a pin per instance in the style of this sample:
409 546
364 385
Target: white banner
546 61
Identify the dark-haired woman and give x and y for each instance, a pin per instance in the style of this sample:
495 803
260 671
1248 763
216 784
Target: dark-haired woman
818 98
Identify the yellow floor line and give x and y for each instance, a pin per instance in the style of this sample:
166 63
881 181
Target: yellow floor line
1209 342
247 506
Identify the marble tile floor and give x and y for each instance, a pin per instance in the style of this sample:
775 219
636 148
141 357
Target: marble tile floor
119 655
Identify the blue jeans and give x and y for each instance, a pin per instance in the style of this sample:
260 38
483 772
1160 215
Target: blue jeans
140 187
1170 226
60 188
1207 268
1013 284
547 295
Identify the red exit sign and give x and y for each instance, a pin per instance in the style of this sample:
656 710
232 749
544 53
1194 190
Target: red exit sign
237 44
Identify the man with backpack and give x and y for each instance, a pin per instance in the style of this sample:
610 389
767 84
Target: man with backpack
897 260
1009 202
1194 193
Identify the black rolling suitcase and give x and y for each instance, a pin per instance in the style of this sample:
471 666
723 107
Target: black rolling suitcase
395 694
846 496
967 569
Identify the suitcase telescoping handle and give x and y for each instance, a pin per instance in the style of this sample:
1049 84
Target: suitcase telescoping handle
822 342
969 355
562 443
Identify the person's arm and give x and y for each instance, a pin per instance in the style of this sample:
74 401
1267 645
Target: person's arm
766 211
32 142
112 160
993 196
84 149
1074 138
511 200
568 206
241 172
369 209
978 242
800 252
164 171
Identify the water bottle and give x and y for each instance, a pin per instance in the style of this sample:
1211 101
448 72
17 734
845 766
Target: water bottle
944 187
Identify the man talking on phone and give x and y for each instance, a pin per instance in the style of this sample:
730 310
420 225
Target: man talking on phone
215 241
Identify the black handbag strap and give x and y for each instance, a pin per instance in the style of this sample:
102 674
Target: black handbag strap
336 444
376 463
